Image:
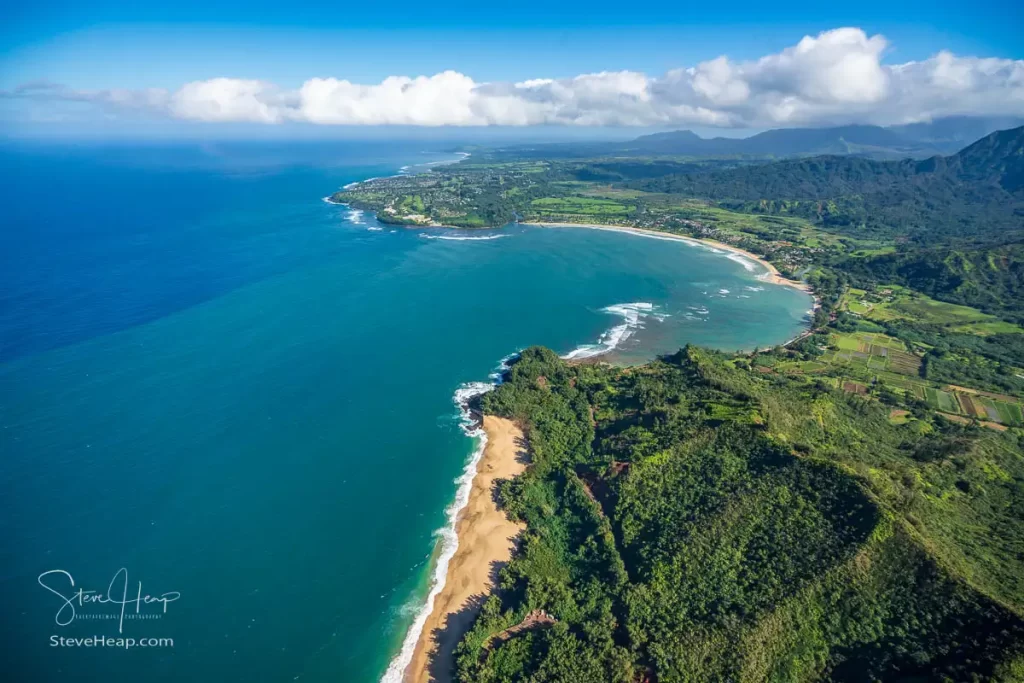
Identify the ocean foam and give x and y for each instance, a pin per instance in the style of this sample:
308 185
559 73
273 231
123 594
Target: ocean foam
633 315
747 264
375 229
444 162
353 184
503 366
754 289
449 539
355 216
462 239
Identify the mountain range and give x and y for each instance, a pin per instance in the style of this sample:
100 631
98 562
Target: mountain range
975 195
917 140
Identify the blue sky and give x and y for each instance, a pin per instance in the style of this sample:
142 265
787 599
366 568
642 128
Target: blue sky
134 46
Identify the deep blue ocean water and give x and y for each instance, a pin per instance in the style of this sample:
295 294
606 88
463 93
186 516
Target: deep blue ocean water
243 395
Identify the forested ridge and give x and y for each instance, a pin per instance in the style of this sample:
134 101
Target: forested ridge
975 195
694 520
988 278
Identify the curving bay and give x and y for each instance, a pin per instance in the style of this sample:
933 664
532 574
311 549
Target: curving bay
271 400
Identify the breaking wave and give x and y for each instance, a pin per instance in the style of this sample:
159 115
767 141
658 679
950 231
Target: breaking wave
747 264
462 239
633 316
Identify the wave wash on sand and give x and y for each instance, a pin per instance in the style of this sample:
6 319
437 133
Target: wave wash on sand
487 539
633 315
454 238
448 537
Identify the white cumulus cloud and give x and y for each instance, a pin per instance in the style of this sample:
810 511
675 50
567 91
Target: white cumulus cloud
838 76
230 99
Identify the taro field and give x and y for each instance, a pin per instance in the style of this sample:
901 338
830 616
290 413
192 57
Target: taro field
872 352
869 359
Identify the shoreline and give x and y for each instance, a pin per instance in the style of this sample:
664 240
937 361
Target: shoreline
771 275
485 538
448 540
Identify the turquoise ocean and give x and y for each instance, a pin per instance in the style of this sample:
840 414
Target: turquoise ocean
243 395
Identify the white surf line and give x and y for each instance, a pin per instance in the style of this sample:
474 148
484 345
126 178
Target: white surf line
632 314
463 397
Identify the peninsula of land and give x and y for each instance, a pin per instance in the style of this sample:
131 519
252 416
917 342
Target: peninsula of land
482 196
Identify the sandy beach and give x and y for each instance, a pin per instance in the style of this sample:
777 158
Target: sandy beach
486 540
772 273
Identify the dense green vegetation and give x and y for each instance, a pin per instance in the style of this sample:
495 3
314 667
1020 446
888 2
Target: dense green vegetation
991 279
472 195
976 194
915 354
693 519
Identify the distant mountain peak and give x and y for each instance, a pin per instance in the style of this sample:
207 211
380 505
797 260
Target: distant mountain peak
677 135
998 157
786 142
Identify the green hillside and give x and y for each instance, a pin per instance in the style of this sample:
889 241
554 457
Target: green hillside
974 195
694 520
990 279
